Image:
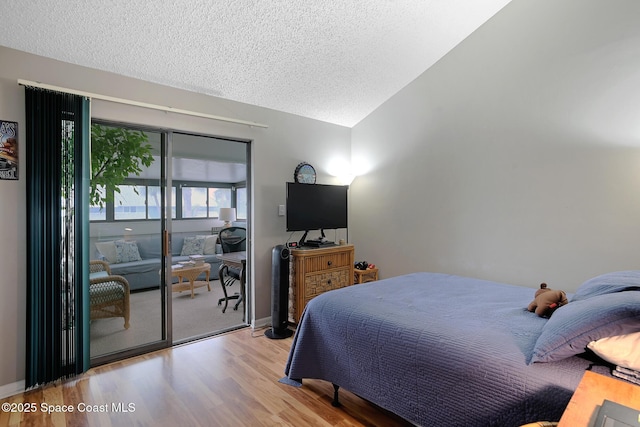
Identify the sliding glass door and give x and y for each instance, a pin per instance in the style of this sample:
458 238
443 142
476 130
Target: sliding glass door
156 198
129 218
209 174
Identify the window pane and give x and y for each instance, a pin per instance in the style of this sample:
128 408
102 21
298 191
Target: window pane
173 202
218 198
154 201
241 202
194 202
130 202
96 213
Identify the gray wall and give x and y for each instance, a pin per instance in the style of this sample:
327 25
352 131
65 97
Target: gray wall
276 152
515 158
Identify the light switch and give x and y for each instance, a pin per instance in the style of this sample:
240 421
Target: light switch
281 210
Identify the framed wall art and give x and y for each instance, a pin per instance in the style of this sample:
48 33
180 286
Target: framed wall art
8 150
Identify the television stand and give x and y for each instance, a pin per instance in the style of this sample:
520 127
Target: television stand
321 242
318 243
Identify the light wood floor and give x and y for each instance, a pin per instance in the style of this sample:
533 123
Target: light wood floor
229 380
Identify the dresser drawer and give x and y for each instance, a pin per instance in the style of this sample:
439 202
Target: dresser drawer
317 283
324 262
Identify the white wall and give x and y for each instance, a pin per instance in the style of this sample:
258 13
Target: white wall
515 158
276 152
13 250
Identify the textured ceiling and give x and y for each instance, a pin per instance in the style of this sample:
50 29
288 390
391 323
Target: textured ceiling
334 61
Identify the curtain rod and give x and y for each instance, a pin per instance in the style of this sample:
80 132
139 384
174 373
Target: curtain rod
138 103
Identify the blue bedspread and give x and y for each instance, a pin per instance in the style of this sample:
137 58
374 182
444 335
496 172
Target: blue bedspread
436 349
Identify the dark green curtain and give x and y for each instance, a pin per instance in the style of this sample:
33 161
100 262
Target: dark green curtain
57 150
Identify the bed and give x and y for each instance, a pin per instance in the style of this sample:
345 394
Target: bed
444 350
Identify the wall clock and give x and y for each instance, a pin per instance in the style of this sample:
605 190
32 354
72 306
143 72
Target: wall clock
305 173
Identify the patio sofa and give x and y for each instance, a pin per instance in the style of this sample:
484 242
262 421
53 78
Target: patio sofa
137 259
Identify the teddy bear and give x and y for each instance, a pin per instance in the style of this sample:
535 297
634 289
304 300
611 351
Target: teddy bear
547 300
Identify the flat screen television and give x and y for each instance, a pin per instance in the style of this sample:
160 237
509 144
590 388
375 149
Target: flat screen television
316 207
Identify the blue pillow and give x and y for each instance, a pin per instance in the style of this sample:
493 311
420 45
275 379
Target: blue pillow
573 326
127 251
617 281
192 245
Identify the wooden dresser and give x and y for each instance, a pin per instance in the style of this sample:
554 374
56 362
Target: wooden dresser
314 271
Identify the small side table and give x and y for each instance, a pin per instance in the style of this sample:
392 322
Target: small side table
191 274
591 393
364 276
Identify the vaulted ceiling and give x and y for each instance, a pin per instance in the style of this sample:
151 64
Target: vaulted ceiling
334 61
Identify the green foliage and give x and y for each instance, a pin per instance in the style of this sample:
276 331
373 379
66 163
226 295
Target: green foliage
116 153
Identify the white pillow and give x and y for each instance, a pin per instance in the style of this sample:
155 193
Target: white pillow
621 350
107 250
209 243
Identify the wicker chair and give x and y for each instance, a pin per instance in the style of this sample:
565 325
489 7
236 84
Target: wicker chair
108 294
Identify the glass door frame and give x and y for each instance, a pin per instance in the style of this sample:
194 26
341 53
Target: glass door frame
166 184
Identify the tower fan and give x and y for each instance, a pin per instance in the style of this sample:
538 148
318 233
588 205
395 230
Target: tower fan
279 293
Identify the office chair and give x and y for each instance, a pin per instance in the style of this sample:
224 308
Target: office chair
232 239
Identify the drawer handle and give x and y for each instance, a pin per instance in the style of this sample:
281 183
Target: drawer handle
329 262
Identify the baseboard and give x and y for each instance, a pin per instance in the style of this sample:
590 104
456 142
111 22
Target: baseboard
11 389
261 323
